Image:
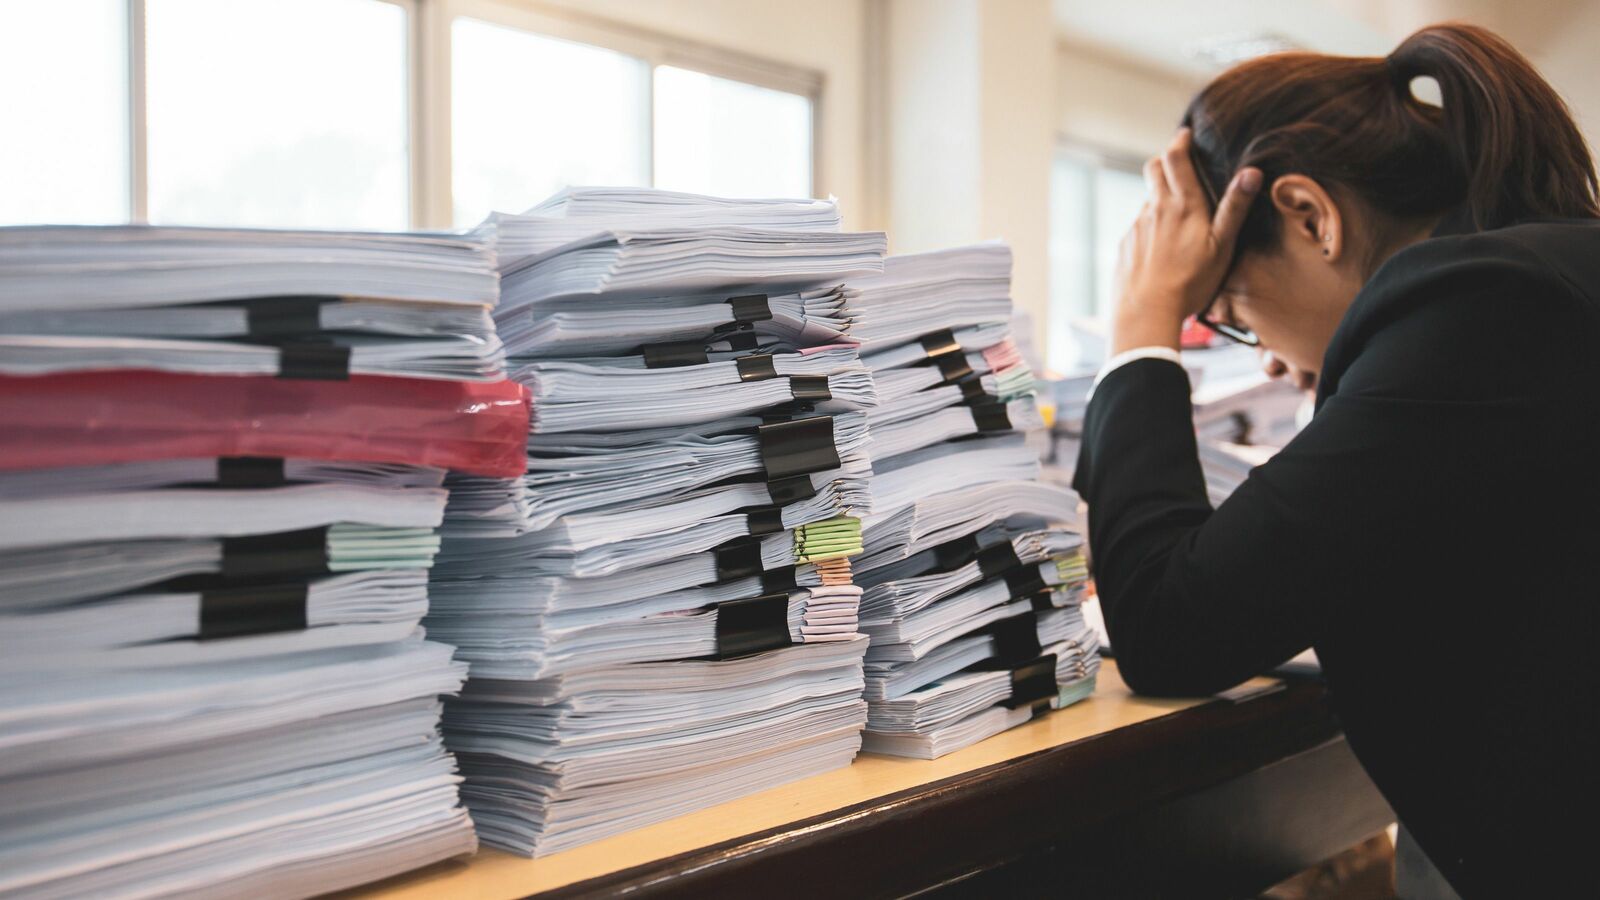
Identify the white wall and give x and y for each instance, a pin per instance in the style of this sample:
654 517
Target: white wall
1567 56
1019 141
1116 105
967 125
932 113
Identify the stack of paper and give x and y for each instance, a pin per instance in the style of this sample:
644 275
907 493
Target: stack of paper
573 327
578 212
685 475
956 288
1242 418
687 262
213 679
632 224
973 569
559 762
1069 397
287 776
245 302
659 613
208 688
626 393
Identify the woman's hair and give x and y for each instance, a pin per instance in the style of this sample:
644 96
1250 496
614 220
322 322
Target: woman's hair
1500 148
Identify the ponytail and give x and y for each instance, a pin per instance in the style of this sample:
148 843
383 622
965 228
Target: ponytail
1511 134
1500 148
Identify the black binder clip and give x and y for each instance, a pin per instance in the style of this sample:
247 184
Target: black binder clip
797 447
738 341
314 360
945 352
250 471
738 558
757 367
750 308
1025 581
997 558
939 343
1033 684
1016 640
752 625
809 388
764 520
227 612
787 412
990 417
954 554
792 489
728 330
279 317
776 581
671 354
972 392
1043 601
953 367
285 553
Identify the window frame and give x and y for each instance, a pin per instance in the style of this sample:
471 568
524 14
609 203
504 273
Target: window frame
1093 158
428 86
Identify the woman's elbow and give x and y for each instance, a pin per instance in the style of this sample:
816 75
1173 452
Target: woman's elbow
1156 665
1147 674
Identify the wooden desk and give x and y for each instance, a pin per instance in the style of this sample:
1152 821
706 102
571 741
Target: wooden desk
1128 795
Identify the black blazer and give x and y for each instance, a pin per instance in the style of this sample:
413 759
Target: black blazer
1434 533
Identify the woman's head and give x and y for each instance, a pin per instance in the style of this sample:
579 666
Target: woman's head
1355 167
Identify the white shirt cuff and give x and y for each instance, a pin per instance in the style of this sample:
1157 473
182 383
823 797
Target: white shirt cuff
1128 356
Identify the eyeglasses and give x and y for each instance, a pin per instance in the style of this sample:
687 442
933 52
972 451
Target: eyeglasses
1228 330
1231 332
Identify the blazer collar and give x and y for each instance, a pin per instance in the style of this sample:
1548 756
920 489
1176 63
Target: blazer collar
1457 221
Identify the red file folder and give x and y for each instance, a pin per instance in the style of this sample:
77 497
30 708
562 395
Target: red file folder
98 418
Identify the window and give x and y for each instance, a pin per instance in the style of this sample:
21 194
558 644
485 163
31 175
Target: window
253 118
64 99
1093 201
371 113
535 104
529 114
719 136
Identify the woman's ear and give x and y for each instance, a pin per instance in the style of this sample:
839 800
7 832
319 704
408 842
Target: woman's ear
1311 220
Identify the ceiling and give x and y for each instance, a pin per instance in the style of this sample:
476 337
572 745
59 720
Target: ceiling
1162 33
1559 36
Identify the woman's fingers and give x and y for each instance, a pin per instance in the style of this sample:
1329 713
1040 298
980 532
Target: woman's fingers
1172 264
1178 167
1234 207
1155 180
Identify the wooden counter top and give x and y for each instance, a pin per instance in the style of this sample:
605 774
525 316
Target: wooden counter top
1167 747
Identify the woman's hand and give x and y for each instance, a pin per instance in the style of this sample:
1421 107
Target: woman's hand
1175 256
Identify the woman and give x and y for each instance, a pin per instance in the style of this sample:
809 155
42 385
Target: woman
1435 270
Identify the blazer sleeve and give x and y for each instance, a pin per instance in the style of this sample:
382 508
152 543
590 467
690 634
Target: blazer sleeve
1354 513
